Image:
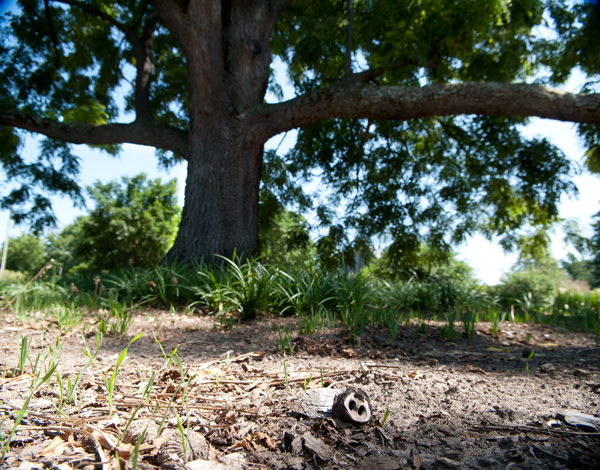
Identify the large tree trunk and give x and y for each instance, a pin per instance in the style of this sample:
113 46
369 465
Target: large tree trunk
220 212
227 50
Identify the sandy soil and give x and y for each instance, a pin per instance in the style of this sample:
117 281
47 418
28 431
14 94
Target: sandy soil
465 403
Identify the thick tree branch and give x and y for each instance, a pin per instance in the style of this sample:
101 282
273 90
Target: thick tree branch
401 103
197 26
151 134
172 14
231 41
142 49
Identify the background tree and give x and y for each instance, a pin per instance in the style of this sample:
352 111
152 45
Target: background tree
285 239
595 250
404 109
578 269
26 254
62 245
581 267
134 222
530 286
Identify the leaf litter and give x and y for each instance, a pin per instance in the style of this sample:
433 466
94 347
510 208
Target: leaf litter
231 399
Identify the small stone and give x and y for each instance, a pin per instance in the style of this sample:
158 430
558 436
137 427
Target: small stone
486 463
378 464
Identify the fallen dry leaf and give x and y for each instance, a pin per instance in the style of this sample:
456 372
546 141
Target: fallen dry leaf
55 448
264 439
348 352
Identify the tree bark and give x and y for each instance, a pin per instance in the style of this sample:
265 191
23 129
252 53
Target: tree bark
220 214
228 54
355 100
147 133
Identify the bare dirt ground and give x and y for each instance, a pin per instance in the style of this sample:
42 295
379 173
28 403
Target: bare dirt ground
465 403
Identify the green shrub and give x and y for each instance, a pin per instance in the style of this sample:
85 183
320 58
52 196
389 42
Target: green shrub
285 239
25 254
12 277
133 224
531 288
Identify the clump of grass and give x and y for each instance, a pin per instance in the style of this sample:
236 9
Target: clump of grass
285 374
354 296
250 287
527 361
284 340
40 273
469 319
18 415
448 331
496 318
315 320
386 414
393 320
168 359
236 289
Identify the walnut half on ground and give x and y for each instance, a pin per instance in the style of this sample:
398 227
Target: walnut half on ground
353 406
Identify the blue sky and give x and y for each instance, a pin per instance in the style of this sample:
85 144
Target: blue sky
5 5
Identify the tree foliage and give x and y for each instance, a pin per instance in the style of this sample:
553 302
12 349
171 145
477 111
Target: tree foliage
409 112
435 180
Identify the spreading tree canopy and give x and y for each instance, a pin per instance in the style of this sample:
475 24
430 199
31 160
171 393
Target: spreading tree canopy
409 111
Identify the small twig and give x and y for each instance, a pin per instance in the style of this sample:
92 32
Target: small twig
371 364
541 449
164 403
